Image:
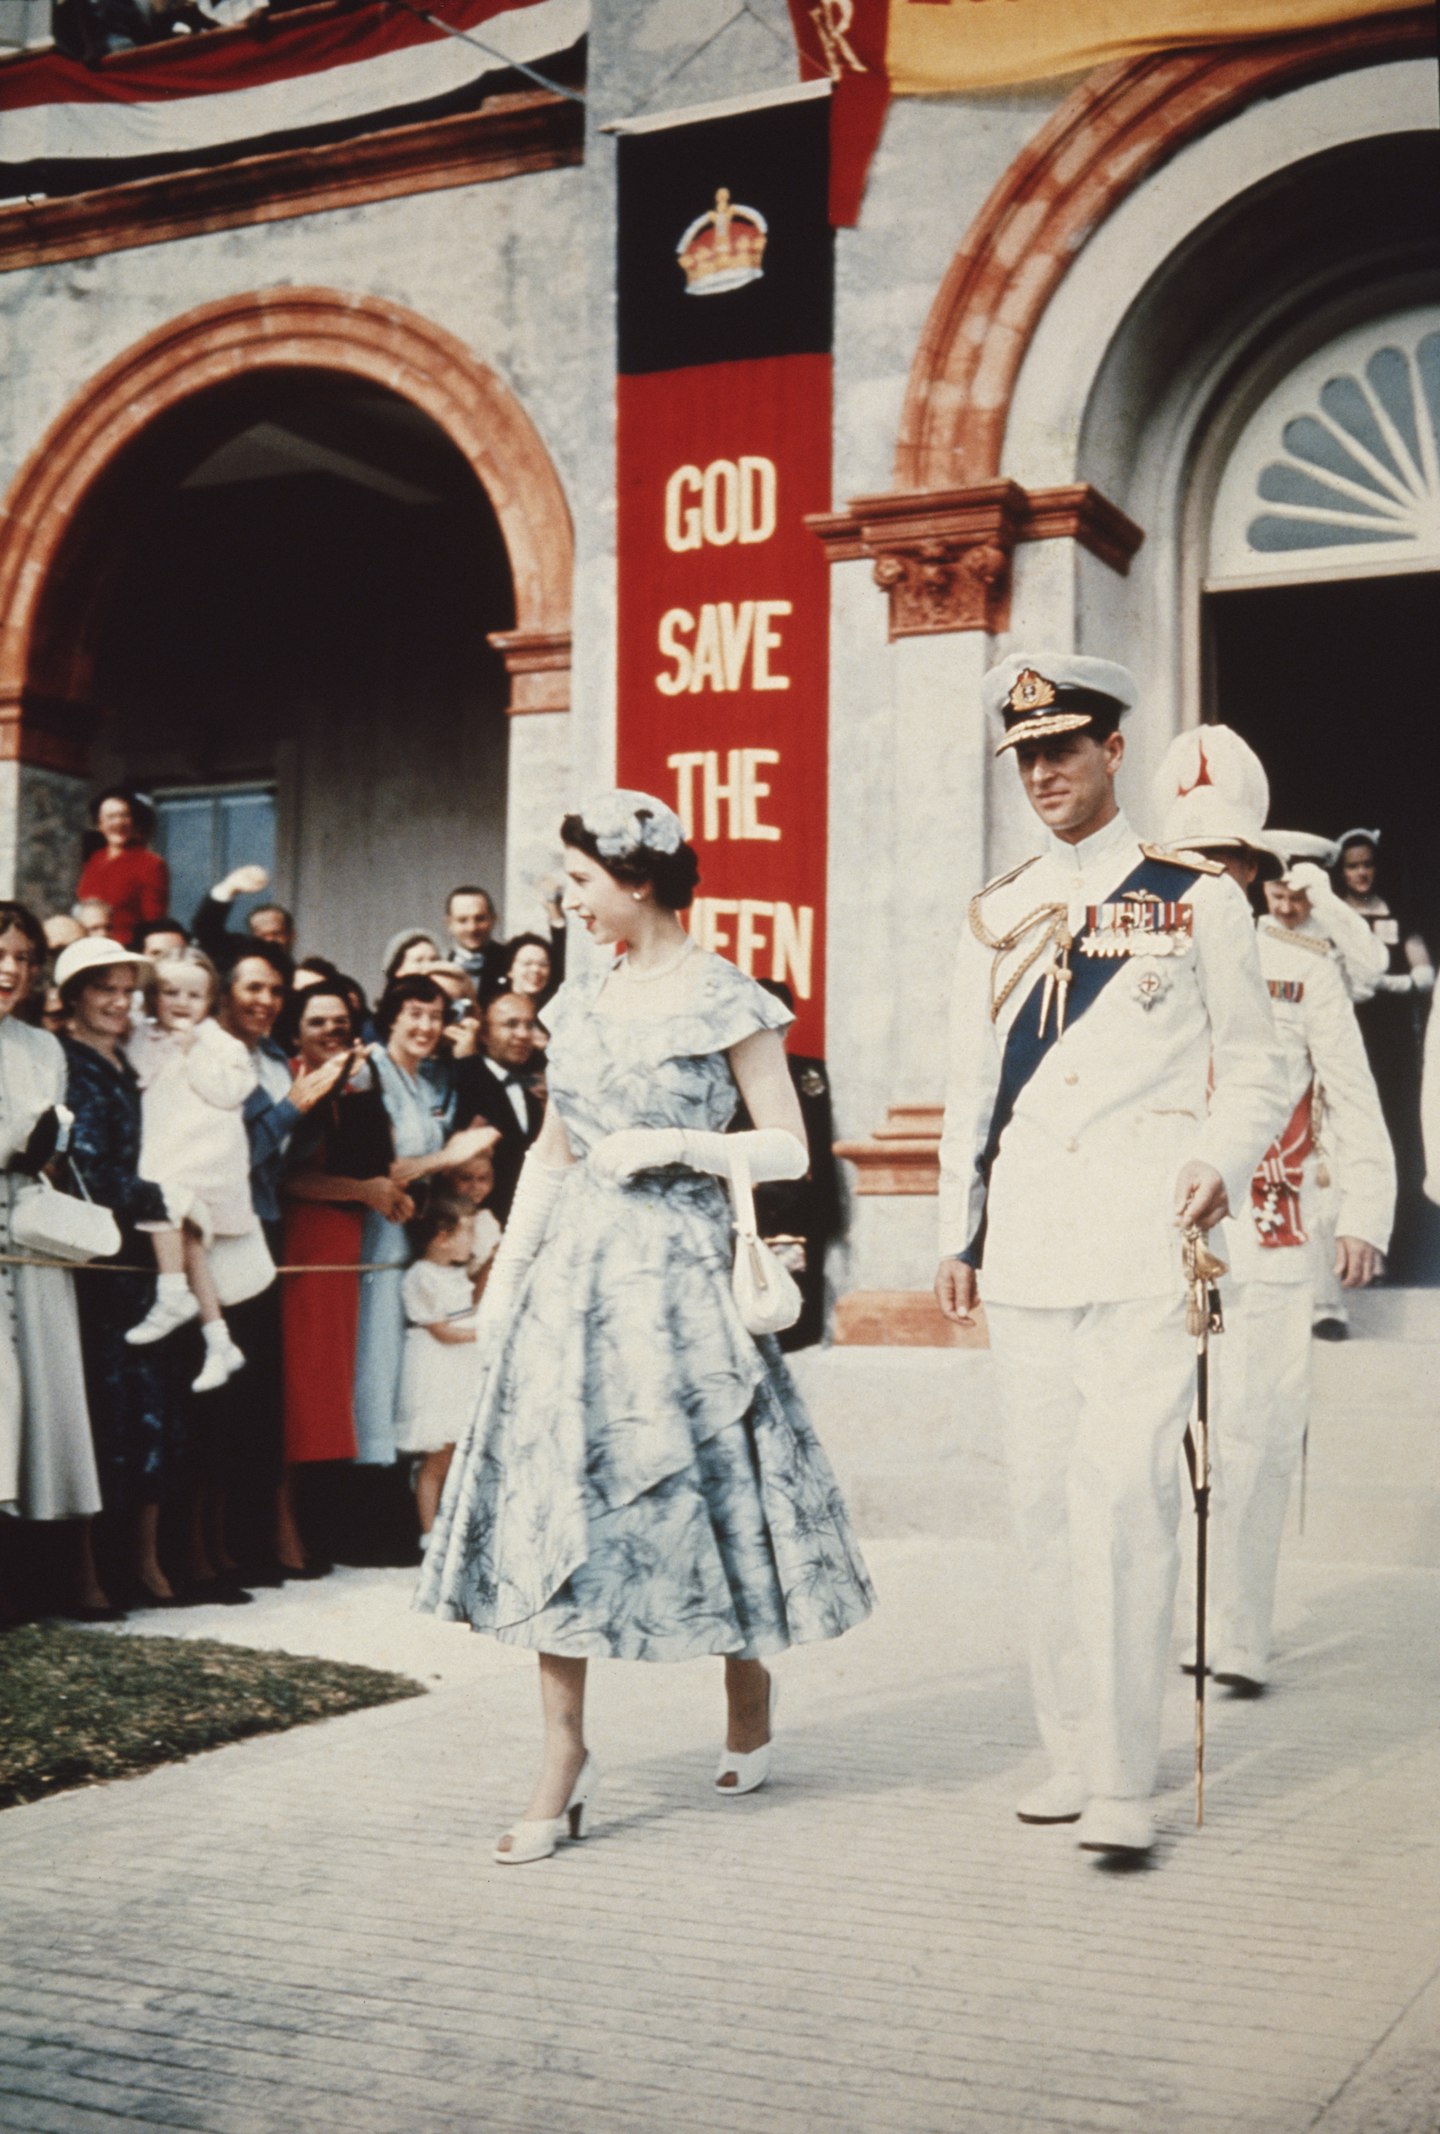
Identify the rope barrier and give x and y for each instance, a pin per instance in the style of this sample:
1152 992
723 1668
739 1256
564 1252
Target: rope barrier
24 1259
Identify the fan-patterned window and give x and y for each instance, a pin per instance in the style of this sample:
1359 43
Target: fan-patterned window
1340 468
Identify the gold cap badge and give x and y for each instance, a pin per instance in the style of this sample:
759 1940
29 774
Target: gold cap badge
1030 692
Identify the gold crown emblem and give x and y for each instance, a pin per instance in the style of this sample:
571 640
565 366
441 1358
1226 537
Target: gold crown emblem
1030 692
723 248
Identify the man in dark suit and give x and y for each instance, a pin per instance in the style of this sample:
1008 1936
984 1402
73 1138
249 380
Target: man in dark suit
471 921
491 1087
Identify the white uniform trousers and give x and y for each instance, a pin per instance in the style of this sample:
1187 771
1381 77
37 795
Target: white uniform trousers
1327 1298
1095 1403
1261 1378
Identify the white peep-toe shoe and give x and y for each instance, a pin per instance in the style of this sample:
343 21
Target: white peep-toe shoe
537 1840
748 1772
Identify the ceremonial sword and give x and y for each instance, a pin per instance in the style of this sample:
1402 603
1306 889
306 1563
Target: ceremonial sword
1202 1319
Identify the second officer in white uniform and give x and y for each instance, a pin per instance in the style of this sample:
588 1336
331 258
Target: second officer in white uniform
1275 1240
1096 988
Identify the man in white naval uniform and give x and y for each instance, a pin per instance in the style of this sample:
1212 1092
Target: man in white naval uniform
1262 1365
1096 990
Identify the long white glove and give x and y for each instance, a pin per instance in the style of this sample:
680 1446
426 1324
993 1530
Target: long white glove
535 1196
772 1151
1362 957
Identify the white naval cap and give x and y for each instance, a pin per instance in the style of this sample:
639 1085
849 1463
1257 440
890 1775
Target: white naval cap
1212 794
1043 693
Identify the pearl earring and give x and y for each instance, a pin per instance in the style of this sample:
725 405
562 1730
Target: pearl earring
636 895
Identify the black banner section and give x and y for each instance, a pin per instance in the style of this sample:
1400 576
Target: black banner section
774 216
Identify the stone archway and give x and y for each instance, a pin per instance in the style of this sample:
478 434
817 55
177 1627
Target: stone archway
949 543
73 491
1121 124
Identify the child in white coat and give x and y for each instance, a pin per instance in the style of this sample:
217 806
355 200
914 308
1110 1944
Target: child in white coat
440 1374
195 1080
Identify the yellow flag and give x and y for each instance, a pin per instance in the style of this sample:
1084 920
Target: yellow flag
939 45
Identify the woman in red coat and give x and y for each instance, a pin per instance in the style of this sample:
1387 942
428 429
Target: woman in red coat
124 873
341 1167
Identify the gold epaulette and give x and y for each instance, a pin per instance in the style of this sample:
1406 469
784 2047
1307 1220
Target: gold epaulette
978 927
1192 860
1283 933
981 932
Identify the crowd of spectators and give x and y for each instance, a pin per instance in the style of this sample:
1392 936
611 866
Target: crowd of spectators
178 1423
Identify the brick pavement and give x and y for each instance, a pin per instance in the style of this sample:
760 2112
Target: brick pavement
306 1932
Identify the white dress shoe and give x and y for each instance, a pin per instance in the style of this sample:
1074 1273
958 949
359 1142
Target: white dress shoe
1060 1800
1116 1826
537 1840
746 1773
172 1309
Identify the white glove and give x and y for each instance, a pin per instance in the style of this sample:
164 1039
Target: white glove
773 1152
535 1196
1312 882
1397 982
1422 977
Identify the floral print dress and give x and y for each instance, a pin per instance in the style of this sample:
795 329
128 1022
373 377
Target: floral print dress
640 1479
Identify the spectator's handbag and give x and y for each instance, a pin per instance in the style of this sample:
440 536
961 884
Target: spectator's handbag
766 1296
56 1226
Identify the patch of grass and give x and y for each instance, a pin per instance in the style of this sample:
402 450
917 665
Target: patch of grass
81 1706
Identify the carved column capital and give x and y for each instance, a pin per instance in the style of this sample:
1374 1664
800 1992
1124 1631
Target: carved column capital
943 556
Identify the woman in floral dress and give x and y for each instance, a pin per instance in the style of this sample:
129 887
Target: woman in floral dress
640 1480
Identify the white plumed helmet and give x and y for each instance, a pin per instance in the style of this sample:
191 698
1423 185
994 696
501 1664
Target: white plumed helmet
1211 793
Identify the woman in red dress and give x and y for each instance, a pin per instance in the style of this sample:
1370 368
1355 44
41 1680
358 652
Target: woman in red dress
124 873
342 1168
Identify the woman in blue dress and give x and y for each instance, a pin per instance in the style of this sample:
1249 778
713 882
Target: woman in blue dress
419 1106
640 1480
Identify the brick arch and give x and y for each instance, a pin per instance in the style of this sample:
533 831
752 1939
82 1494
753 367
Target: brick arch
1101 143
74 487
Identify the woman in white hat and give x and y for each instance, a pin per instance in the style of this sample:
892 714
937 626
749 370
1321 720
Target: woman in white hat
47 1464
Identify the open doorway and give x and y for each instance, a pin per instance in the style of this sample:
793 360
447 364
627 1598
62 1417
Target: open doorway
1333 684
299 607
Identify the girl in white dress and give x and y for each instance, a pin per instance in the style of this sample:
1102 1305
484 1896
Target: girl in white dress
438 1374
195 1081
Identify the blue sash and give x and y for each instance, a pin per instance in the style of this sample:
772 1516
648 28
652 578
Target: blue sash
1027 1045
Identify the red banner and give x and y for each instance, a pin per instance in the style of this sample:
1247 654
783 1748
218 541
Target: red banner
724 595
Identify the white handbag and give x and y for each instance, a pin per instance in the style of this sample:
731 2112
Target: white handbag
766 1296
242 1266
57 1226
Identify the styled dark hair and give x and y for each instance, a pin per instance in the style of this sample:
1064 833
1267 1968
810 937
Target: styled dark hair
470 889
287 1028
351 989
321 965
24 921
441 1211
247 948
672 876
513 948
168 925
418 986
142 814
